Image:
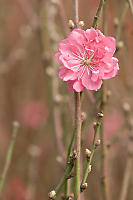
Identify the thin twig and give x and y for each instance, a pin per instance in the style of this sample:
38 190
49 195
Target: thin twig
122 16
54 37
130 6
65 177
9 156
89 161
67 163
29 13
103 103
99 10
129 161
63 16
78 144
76 12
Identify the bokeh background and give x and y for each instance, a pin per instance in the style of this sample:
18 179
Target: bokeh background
31 94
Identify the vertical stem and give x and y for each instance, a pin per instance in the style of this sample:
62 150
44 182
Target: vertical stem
77 121
103 102
103 181
67 163
122 16
130 6
9 156
78 144
95 21
92 152
76 12
128 161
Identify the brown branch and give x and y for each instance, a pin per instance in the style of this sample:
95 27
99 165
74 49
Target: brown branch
54 38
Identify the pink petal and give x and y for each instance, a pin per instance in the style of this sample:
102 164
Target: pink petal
77 86
77 36
57 57
67 74
91 34
70 85
95 76
112 69
110 45
89 84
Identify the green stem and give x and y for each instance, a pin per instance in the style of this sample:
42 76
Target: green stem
67 163
130 6
92 152
9 156
65 177
99 10
78 144
122 16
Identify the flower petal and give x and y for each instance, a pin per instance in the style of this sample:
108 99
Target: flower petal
77 86
89 84
67 74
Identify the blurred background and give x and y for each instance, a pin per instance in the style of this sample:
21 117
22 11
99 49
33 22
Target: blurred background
32 94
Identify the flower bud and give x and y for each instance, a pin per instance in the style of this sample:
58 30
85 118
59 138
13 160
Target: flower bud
71 23
108 93
87 153
126 107
98 142
83 116
120 44
89 170
84 186
16 124
94 124
81 23
116 21
100 114
50 71
34 150
52 195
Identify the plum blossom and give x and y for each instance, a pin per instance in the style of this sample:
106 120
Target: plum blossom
87 59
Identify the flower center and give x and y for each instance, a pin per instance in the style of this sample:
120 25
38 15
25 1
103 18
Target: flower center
87 61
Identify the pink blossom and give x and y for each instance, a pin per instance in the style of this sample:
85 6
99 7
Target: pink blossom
87 58
33 113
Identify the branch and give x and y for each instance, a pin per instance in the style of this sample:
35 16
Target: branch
9 156
94 144
99 10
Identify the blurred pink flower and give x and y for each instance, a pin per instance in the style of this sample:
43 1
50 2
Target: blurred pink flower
33 114
16 190
87 58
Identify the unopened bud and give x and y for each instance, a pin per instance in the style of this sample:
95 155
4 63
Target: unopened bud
100 114
120 44
98 143
83 186
108 93
87 153
71 23
58 98
89 170
94 124
59 159
116 21
81 23
52 195
34 150
83 116
126 107
16 124
71 196
50 71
